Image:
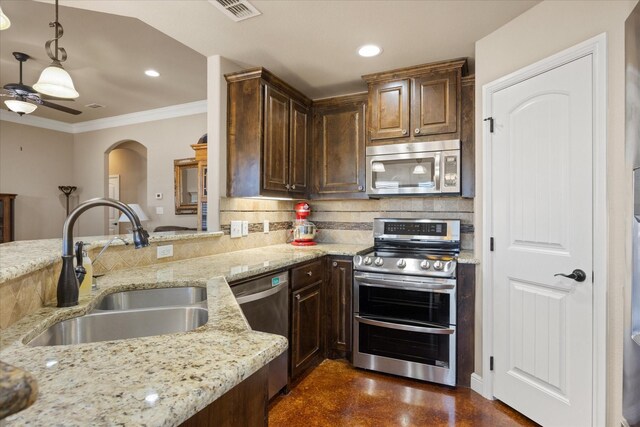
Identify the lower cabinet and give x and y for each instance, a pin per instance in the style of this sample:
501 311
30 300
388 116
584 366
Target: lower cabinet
307 331
339 310
244 405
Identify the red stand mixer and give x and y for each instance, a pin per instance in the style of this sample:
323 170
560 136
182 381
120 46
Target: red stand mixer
303 231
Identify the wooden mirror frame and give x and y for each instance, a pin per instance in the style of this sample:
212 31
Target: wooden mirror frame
179 166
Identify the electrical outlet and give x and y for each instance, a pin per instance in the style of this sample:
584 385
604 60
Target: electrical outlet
159 210
164 251
245 228
236 229
266 226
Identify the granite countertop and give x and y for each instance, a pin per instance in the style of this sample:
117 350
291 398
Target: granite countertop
23 257
18 390
160 380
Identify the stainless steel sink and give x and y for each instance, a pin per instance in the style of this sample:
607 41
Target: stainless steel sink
118 325
148 298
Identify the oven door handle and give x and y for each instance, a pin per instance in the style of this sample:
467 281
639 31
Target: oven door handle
410 328
405 284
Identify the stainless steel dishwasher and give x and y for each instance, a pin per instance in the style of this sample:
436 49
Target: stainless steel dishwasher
265 304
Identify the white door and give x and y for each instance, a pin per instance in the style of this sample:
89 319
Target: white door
114 193
542 224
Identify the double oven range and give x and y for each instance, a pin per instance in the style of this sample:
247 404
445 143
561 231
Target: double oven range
405 300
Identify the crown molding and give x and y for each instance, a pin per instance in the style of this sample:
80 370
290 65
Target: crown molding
173 111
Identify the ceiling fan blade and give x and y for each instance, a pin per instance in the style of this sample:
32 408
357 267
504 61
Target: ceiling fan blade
55 98
59 107
8 95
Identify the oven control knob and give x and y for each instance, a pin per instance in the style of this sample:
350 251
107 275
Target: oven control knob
401 263
367 260
447 266
379 261
425 265
438 265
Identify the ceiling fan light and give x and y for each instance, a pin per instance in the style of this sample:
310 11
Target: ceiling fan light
55 81
20 107
4 21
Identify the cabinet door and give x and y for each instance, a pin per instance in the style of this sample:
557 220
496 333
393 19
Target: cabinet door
435 103
306 327
275 175
389 104
340 313
339 152
299 146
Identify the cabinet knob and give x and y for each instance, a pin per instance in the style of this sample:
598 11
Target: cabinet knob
360 188
417 131
335 264
287 186
404 131
298 296
293 187
309 273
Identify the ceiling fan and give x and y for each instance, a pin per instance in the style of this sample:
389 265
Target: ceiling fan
25 98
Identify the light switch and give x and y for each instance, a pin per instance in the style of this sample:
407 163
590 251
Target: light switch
245 228
159 210
236 229
158 196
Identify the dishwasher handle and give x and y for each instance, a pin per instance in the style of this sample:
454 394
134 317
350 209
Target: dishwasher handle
260 295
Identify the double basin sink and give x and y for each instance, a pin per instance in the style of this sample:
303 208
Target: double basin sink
132 314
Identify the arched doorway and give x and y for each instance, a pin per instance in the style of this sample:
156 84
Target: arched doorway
126 179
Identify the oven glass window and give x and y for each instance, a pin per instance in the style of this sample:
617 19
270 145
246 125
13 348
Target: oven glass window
402 304
419 347
407 173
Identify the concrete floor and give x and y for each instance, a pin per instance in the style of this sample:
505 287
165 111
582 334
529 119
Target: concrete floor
336 394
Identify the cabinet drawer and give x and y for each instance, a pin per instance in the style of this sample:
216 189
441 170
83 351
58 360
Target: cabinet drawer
307 274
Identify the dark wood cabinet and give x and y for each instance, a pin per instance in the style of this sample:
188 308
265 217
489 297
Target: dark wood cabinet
7 218
339 310
415 104
268 131
465 326
307 307
339 148
389 102
468 138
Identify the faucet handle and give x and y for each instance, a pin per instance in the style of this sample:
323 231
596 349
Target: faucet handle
79 246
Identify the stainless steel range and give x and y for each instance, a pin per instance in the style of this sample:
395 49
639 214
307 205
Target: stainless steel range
405 300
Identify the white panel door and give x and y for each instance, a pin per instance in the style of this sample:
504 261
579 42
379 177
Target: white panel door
542 225
114 214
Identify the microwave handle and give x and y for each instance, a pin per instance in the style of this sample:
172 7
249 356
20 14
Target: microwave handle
436 172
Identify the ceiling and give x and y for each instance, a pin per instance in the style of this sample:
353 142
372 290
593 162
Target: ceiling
310 44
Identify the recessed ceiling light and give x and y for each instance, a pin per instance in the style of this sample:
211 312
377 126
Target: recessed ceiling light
152 73
369 50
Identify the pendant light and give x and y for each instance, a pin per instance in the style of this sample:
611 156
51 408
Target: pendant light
19 106
4 20
54 80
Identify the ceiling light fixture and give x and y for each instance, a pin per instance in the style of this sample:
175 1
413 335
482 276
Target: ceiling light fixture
369 50
152 73
54 80
19 106
4 20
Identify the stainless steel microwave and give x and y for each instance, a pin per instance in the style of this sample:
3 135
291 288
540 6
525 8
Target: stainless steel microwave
416 168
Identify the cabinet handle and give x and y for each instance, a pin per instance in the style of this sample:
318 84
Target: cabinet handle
287 186
335 264
417 131
298 296
404 131
293 187
309 273
360 188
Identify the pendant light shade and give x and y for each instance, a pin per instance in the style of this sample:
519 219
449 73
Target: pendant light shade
55 81
20 107
4 21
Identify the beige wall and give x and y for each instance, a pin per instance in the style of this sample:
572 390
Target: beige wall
543 30
129 162
165 140
33 163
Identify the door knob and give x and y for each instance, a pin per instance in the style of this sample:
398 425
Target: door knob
577 275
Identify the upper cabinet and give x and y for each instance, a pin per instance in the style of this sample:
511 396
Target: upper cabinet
268 128
339 147
415 104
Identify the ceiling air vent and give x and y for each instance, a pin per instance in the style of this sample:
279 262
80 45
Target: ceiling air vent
238 10
94 105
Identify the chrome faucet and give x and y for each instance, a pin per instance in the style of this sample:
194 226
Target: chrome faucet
68 283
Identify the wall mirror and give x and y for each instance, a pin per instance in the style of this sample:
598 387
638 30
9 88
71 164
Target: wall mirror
186 186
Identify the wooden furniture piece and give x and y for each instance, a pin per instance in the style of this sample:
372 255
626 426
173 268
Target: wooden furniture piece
185 183
415 104
465 310
243 405
339 314
468 138
338 169
307 307
7 217
201 159
268 130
